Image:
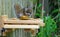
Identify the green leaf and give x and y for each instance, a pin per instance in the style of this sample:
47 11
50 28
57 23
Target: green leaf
39 5
50 26
55 11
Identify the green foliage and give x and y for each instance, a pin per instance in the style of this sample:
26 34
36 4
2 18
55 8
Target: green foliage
37 15
38 11
55 10
50 24
57 17
39 5
50 27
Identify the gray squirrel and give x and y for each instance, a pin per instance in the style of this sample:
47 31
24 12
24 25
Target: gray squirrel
22 11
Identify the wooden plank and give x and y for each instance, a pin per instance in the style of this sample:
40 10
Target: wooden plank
23 21
22 26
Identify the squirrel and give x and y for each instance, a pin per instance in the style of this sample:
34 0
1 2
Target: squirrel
18 10
22 11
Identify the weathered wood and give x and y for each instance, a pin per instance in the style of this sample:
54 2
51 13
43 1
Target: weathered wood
16 24
22 26
23 21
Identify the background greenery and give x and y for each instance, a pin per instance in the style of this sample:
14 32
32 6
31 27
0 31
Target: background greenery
53 15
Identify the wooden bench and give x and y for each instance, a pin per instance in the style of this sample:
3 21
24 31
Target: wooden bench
13 23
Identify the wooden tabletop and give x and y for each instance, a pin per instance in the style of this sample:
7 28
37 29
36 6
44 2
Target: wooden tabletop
34 21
